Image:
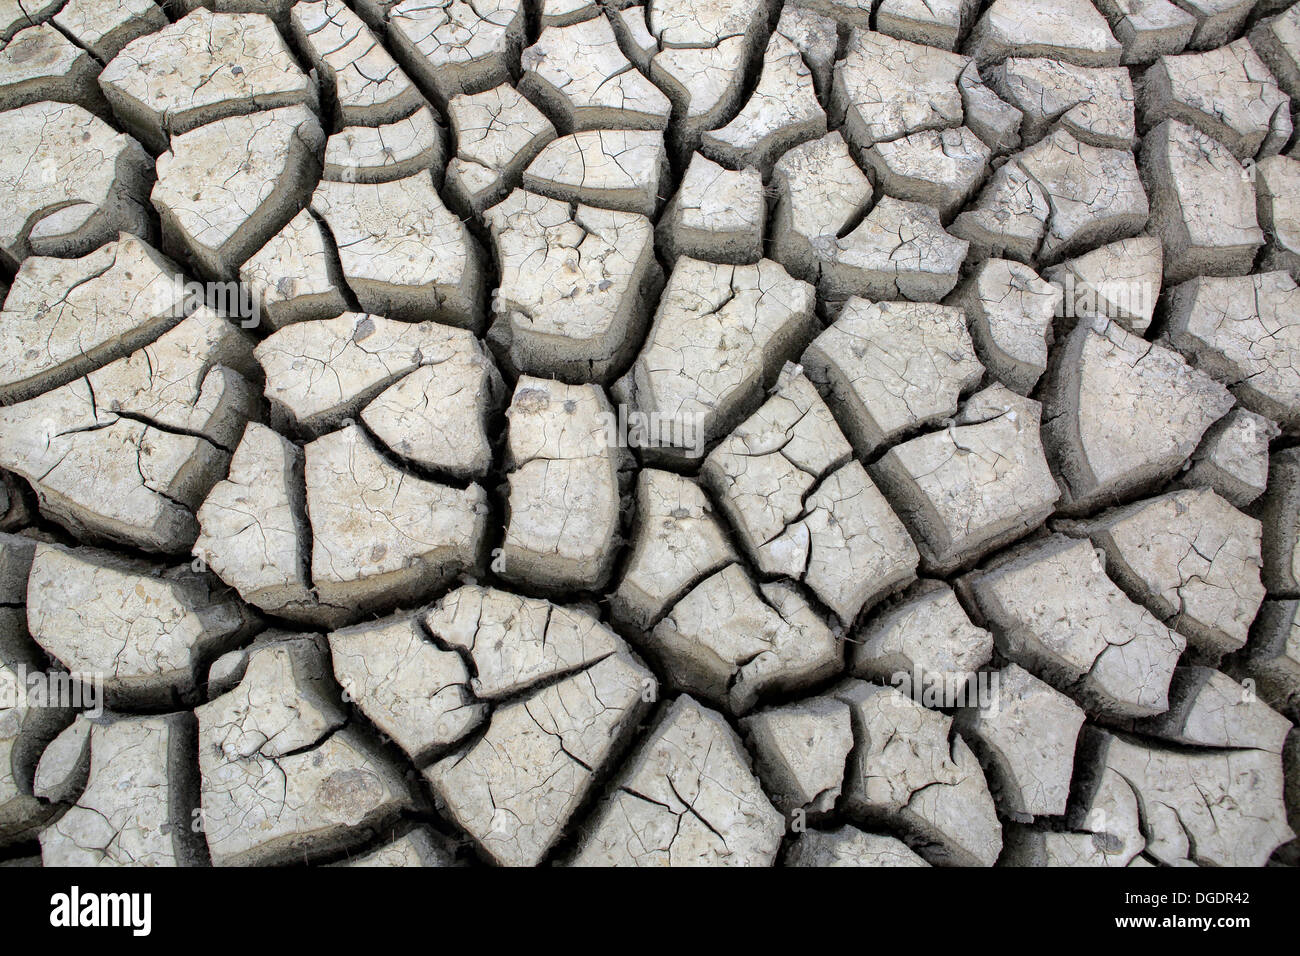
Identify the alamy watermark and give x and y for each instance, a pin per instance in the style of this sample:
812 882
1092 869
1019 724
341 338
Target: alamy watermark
629 428
945 690
1113 299
21 687
237 301
77 909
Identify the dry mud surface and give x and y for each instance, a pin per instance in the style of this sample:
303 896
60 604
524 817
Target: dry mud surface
698 432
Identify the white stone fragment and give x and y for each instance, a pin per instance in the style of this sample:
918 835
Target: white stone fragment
1193 559
1202 203
1026 735
782 112
583 80
1227 93
925 634
1214 808
885 88
203 68
381 536
1120 282
1095 104
515 642
676 542
1058 198
933 22
993 120
720 336
716 214
686 797
1277 190
381 154
452 46
889 368
1104 828
14 16
974 486
1277 42
614 168
940 168
136 807
800 750
40 63
1233 457
253 529
1054 611
911 770
563 473
125 454
438 417
1009 218
63 317
364 86
1207 708
515 788
294 277
413 691
730 643
1216 20
282 778
763 470
176 622
104 28
704 48
320 373
224 189
108 478
576 286
817 39
1123 414
403 253
64 767
802 508
1148 28
899 251
497 133
1072 31
1009 309
192 379
73 182
820 192
1244 331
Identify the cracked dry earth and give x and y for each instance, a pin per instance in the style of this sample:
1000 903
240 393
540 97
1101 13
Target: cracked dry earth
985 317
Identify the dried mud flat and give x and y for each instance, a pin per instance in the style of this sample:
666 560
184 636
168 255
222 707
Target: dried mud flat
697 432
